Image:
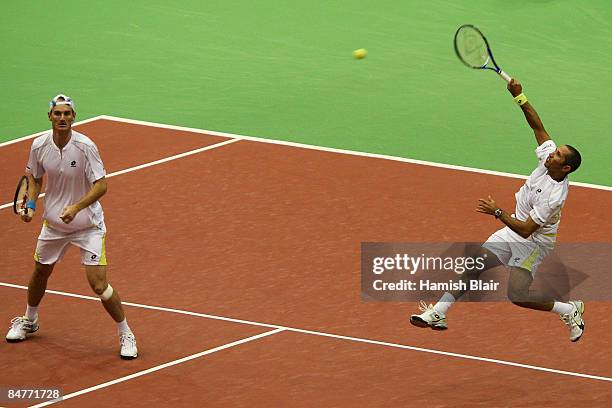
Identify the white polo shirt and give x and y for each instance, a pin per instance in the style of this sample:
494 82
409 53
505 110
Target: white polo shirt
542 198
71 173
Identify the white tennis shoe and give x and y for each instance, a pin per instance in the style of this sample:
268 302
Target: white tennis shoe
129 351
429 318
574 320
20 326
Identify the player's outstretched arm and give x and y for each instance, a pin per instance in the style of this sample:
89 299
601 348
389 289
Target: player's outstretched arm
531 115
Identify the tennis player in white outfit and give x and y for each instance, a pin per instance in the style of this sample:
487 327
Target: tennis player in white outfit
73 216
529 234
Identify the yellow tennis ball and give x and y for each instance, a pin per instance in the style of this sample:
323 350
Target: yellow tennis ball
360 53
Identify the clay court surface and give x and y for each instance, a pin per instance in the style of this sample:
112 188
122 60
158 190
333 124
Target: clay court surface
239 266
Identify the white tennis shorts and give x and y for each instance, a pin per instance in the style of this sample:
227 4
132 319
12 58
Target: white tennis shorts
52 245
513 250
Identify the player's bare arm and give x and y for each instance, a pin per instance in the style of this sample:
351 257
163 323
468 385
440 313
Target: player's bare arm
33 192
530 113
523 228
95 193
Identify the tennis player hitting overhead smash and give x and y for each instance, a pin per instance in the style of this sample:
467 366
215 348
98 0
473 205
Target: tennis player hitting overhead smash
529 234
73 216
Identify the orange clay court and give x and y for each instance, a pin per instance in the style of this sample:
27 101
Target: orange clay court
238 265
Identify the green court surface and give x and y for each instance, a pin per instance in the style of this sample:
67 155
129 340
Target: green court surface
284 70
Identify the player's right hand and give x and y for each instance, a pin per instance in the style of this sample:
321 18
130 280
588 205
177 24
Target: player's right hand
515 87
27 215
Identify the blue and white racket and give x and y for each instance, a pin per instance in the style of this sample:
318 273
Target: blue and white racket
473 50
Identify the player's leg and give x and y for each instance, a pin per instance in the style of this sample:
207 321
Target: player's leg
93 256
49 249
434 316
37 285
519 293
483 256
96 276
28 323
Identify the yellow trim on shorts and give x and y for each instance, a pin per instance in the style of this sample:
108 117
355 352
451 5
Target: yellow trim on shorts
36 255
103 255
528 264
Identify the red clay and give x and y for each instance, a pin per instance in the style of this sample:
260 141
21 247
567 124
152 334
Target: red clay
272 234
294 370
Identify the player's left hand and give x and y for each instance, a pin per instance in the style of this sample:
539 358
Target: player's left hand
69 213
487 206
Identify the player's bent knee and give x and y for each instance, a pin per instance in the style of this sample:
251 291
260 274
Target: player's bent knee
518 297
106 293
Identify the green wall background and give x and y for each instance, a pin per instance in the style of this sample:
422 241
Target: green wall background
284 70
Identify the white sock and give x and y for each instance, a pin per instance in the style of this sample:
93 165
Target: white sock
123 327
445 302
562 308
31 312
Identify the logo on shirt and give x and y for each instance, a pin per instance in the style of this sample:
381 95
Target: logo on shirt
93 257
73 163
539 190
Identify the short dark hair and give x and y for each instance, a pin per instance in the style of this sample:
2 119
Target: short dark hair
573 158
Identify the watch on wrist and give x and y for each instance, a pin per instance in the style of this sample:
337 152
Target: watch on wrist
498 213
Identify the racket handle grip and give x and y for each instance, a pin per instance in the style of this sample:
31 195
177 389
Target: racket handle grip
506 77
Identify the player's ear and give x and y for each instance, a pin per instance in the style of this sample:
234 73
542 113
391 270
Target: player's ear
566 168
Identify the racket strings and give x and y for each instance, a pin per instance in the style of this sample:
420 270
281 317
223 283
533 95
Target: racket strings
471 47
23 198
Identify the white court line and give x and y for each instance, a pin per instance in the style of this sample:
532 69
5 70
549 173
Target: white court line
159 367
153 163
32 136
162 309
336 336
10 205
177 156
339 151
310 147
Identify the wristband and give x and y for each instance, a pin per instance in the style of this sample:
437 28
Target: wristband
31 204
520 99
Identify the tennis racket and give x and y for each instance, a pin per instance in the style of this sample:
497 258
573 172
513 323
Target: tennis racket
473 50
21 196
